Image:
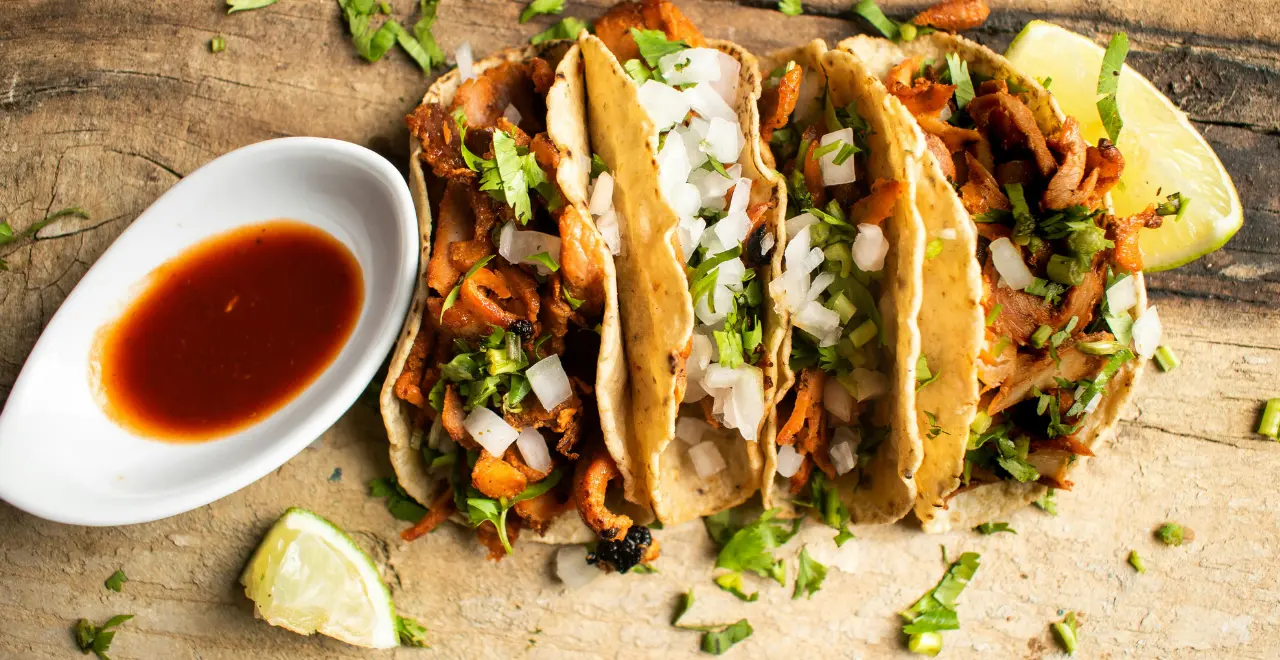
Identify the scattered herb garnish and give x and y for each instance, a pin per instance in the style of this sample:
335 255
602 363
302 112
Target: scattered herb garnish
1048 502
411 633
959 70
1109 84
97 639
1165 359
336 475
541 7
546 261
7 235
598 166
481 509
653 45
716 642
870 11
923 375
1173 534
1270 422
750 547
936 610
732 583
934 429
399 503
567 28
790 7
1136 562
217 44
1066 631
989 528
116 581
809 575
234 6
826 502
686 602
574 303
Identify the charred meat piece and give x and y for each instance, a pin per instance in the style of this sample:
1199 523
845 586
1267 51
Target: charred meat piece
623 554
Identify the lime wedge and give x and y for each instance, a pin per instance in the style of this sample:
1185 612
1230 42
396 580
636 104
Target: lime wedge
1163 152
308 576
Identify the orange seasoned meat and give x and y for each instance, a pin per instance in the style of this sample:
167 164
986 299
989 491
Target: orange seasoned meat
438 512
582 251
1082 299
938 149
565 420
1124 233
878 205
407 383
452 417
590 482
813 168
1069 185
903 73
1007 118
453 224
954 15
496 478
484 99
777 104
924 97
954 137
1107 160
982 192
614 28
1041 372
540 511
1020 313
808 388
433 126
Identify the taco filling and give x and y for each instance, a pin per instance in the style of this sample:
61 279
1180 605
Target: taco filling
1058 270
834 264
503 369
724 237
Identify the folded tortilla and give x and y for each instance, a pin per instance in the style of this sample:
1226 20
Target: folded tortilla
881 489
657 309
952 319
566 128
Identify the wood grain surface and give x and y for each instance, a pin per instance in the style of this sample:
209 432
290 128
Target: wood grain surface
105 104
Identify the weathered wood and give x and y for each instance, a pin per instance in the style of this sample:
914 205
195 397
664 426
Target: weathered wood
106 104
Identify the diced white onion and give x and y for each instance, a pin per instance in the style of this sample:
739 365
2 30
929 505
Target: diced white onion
741 196
572 567
870 384
549 382
724 140
797 250
745 408
789 461
727 84
518 245
729 274
699 359
817 320
837 400
601 194
466 67
533 448
790 291
666 105
611 231
512 114
767 243
794 225
692 141
690 429
1147 332
704 100
732 229
948 234
820 284
1122 296
489 430
718 377
692 65
833 174
1007 258
870 248
712 186
842 457
673 164
684 200
707 460
690 234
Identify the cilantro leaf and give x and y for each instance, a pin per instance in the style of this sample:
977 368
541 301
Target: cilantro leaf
750 547
1109 84
989 528
959 70
936 610
686 602
732 583
116 581
790 7
427 52
568 28
1173 534
1048 502
1066 631
574 303
234 6
717 642
1136 562
541 7
923 375
97 639
871 12
399 504
598 165
411 633
653 45
809 575
546 261
1023 222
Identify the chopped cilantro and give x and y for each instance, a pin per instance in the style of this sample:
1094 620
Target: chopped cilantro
686 602
116 581
989 528
1135 560
923 375
234 6
716 642
959 70
546 261
653 45
1048 502
750 547
97 639
574 303
1173 534
541 7
401 506
936 610
790 7
411 633
1024 223
732 583
1066 631
871 12
567 28
1109 84
809 575
481 509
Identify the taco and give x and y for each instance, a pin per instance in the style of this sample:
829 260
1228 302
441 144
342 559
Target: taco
846 442
673 117
506 390
1042 319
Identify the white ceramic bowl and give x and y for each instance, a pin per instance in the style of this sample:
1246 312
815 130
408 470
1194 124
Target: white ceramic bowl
63 459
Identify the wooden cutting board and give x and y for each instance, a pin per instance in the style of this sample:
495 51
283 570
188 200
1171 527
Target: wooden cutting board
106 104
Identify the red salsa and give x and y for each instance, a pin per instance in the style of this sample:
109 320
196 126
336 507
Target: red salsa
229 331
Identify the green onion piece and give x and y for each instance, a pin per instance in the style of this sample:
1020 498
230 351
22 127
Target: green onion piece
994 314
981 422
933 249
1064 269
929 643
908 31
844 307
1173 534
1100 347
870 11
1270 425
1136 562
1065 631
863 333
567 28
1041 336
234 6
217 44
1166 359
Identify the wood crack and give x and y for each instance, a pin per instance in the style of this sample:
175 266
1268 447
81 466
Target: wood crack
149 159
